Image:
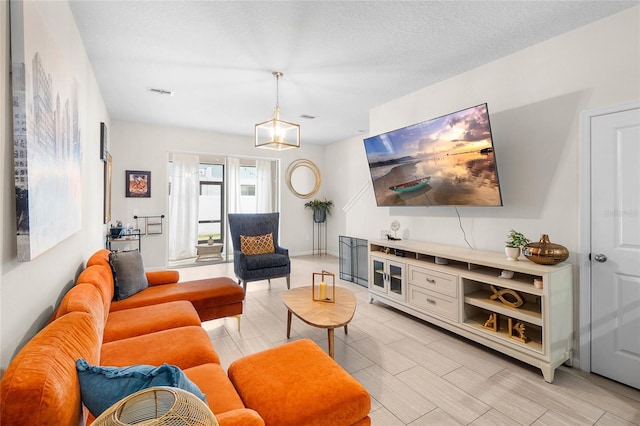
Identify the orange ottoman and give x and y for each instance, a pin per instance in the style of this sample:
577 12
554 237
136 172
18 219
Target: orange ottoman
299 384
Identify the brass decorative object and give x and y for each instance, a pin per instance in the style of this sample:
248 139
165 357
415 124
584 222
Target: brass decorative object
298 169
323 291
493 322
545 252
517 331
516 300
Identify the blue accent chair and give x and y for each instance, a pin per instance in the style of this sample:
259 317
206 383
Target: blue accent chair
261 266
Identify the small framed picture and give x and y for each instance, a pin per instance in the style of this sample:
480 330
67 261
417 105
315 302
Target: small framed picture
138 184
103 142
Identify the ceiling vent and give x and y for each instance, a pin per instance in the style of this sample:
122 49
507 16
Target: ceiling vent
161 91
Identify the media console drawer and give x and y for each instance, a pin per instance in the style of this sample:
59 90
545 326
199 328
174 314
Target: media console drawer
429 301
439 282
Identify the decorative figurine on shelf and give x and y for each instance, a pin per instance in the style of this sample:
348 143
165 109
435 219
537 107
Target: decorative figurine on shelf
516 300
395 225
493 322
323 291
517 330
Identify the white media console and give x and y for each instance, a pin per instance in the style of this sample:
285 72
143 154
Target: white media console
451 287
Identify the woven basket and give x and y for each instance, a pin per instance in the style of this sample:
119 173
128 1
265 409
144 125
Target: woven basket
158 406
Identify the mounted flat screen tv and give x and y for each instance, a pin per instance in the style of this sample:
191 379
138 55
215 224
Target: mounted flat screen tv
445 161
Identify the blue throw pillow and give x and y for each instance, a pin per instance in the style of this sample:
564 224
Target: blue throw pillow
101 387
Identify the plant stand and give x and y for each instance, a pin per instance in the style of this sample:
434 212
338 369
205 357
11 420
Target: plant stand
318 240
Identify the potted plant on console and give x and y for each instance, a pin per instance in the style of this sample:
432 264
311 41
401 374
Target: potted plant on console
320 209
515 241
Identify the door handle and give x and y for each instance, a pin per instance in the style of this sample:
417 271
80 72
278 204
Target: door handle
600 258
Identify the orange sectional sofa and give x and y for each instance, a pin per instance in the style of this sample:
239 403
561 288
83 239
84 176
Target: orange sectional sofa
41 386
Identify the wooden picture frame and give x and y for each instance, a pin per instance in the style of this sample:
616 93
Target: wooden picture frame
108 176
103 142
138 184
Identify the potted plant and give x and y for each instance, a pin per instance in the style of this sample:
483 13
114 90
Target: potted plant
514 243
320 209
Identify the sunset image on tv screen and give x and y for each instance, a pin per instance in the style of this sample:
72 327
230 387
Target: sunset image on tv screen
448 160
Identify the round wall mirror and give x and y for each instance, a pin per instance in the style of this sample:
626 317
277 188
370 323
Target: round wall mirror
303 178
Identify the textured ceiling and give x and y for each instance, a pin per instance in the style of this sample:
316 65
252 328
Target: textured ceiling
339 58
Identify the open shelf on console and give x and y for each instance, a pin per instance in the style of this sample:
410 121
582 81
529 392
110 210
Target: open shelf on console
529 312
534 333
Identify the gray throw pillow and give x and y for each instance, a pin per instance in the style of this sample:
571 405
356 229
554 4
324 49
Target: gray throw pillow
128 273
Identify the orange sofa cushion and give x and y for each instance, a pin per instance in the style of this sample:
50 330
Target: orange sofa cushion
40 386
148 319
185 347
102 279
203 294
83 298
240 417
212 380
162 277
299 384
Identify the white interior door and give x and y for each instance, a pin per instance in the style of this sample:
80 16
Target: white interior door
615 246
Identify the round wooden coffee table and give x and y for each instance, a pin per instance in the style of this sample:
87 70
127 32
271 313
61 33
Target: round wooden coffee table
320 314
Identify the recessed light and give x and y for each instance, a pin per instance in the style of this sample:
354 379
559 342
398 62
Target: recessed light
161 91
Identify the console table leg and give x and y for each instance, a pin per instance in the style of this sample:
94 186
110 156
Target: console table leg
548 372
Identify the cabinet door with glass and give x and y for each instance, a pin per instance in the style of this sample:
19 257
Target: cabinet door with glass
387 277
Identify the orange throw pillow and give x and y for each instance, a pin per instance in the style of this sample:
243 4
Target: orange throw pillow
258 244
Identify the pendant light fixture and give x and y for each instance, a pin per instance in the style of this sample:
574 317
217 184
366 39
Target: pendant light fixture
277 134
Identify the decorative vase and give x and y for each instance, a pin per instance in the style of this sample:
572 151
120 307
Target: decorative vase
545 252
319 216
512 253
210 241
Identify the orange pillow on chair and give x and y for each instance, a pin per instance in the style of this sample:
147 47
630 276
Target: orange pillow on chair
258 244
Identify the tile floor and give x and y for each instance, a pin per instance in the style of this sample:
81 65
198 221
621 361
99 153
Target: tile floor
418 374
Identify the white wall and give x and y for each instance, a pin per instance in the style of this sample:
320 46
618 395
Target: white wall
535 97
144 147
30 290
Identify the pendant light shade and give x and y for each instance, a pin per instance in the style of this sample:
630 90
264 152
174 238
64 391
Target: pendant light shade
277 134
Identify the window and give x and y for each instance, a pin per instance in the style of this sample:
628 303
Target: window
248 180
248 190
211 203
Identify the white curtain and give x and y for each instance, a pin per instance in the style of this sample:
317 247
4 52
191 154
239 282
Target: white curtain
264 187
183 206
233 185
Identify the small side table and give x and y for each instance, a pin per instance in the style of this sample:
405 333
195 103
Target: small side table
208 251
320 314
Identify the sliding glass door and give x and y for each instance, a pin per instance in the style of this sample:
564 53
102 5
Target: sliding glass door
222 185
